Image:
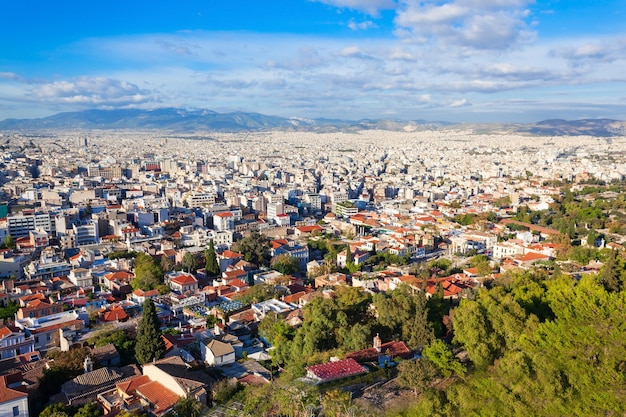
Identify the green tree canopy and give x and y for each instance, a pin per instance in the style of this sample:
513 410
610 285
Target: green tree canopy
189 262
285 264
211 264
150 344
403 314
255 248
9 242
416 374
186 407
148 273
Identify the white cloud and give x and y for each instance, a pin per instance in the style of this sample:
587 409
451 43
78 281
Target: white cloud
460 103
584 51
478 24
372 7
9 75
466 55
91 91
364 25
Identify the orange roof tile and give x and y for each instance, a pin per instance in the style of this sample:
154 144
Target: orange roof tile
184 280
129 386
161 397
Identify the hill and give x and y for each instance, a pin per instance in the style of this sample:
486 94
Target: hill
181 120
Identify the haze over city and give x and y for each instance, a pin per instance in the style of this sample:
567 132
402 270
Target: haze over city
459 61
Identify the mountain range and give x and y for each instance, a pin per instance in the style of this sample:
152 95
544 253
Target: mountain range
180 120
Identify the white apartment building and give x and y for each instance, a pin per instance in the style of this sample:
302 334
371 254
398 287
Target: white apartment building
14 342
20 225
274 210
196 199
86 233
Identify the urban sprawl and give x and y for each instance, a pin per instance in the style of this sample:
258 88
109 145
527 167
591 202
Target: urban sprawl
219 233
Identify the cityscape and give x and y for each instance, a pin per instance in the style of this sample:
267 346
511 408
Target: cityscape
232 241
313 208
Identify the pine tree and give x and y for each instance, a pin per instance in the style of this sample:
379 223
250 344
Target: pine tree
150 345
212 266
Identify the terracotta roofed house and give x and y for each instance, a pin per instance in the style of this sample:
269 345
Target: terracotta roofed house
184 283
331 371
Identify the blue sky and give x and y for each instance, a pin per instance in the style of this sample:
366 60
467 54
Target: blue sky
453 60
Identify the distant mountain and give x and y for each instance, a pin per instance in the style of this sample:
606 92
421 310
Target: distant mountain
180 120
591 127
166 118
557 127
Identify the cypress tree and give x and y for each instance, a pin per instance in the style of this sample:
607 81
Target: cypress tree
149 345
212 266
348 254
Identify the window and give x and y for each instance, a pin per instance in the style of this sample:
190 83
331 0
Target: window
16 411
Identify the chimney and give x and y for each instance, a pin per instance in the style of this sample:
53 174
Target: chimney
88 364
377 343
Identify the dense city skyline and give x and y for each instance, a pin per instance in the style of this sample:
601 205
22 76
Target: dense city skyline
459 61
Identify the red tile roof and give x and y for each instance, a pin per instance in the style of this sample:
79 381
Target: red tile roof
309 229
229 254
119 275
9 394
129 386
336 370
185 280
224 214
532 256
115 314
5 331
161 397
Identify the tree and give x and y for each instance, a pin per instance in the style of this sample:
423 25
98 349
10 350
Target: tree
348 254
149 345
405 314
9 242
612 273
212 266
438 308
274 329
416 375
123 341
224 390
148 274
186 407
336 403
254 248
285 264
481 263
55 410
440 355
167 264
9 311
90 409
189 262
66 365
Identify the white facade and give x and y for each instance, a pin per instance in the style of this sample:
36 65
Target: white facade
217 353
15 343
80 277
15 408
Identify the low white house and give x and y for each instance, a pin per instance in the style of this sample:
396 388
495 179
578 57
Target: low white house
218 353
